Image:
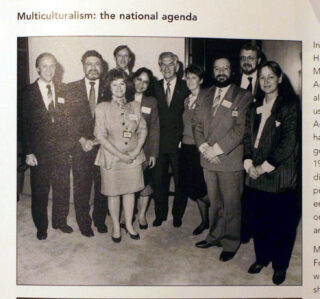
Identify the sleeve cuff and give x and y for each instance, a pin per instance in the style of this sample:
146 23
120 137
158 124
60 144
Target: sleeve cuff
267 167
217 149
247 163
203 147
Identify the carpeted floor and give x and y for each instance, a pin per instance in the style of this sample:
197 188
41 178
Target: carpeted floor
164 256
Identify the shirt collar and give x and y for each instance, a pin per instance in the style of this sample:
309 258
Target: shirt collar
173 83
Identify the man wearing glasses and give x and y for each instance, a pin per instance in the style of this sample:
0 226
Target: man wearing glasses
170 93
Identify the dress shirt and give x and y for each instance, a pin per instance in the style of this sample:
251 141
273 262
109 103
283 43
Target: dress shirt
217 149
245 81
44 92
96 87
265 111
172 86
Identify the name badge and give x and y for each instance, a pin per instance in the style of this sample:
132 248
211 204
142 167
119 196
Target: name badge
226 104
133 116
127 134
259 110
60 100
235 113
146 110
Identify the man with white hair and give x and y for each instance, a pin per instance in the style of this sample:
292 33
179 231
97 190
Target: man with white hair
170 93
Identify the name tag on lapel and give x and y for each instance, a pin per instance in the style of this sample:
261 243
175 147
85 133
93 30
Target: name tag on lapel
259 110
133 116
226 104
235 113
146 110
60 100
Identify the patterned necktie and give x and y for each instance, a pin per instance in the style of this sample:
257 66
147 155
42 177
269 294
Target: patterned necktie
168 94
216 102
92 98
250 84
51 105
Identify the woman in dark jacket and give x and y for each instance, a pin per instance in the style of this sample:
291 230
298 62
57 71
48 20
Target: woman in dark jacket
270 160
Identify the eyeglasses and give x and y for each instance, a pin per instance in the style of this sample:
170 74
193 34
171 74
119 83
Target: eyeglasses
248 58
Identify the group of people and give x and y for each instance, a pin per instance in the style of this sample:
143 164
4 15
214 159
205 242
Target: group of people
127 133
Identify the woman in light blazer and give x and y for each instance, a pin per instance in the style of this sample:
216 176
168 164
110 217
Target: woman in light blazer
142 80
121 131
271 160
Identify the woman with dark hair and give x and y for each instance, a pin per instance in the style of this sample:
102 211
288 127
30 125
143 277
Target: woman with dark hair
142 80
191 173
270 160
121 131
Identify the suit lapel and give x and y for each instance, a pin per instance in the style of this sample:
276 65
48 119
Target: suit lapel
39 100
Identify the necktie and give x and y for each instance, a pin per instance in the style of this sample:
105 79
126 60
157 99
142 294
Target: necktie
92 98
250 84
216 102
51 105
168 94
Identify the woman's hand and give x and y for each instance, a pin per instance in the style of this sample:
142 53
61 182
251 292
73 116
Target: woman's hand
134 154
253 173
126 158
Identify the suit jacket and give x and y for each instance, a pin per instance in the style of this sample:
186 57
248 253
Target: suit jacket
41 136
226 128
171 124
256 90
278 145
81 120
149 110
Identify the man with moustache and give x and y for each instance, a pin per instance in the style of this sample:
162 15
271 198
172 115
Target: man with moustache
170 93
218 126
84 95
124 58
44 123
250 59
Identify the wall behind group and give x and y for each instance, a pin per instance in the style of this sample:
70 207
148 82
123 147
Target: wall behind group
68 51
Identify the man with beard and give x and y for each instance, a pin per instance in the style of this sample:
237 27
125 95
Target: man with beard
84 95
250 59
218 126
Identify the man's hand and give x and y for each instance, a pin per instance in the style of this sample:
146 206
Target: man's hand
86 144
152 162
253 173
31 160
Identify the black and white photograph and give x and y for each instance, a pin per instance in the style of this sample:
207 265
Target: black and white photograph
158 161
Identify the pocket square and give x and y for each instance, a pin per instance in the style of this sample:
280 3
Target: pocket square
278 123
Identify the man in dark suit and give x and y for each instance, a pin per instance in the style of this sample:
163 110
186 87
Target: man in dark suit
44 121
250 59
84 96
219 125
170 93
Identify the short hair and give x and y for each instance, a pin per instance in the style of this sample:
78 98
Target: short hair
274 66
115 74
168 54
223 56
91 53
194 69
131 55
149 74
45 54
252 47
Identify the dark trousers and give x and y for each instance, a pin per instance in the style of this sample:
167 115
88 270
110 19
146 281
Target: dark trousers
161 187
224 192
84 174
273 223
43 176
